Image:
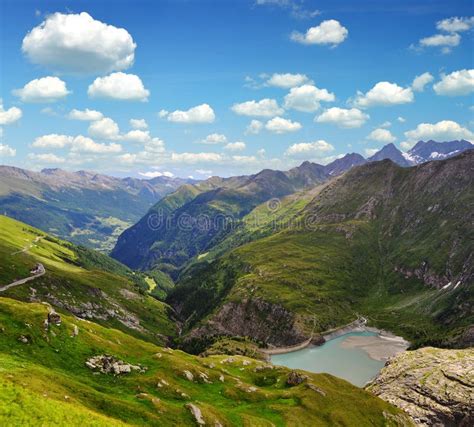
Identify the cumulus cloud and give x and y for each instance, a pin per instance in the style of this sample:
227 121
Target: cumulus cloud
384 93
52 141
344 118
455 84
200 114
254 127
138 124
156 174
47 158
79 144
419 82
6 151
136 135
281 125
306 98
309 150
104 128
83 144
85 115
401 119
235 146
329 32
449 36
214 138
263 108
77 43
191 158
287 80
455 24
381 135
445 130
9 116
119 86
45 89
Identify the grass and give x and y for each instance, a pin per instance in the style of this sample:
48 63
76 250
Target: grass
46 382
80 281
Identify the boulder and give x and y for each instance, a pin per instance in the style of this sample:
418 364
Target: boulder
107 364
196 413
295 378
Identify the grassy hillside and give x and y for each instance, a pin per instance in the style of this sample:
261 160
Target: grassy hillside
391 243
78 280
44 381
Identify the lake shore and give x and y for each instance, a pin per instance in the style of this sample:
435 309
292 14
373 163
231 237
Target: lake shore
379 347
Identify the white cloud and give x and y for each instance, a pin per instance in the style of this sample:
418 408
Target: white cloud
296 8
207 172
155 146
386 124
419 82
309 150
344 118
455 24
235 146
455 84
306 98
52 141
401 119
287 80
156 174
254 127
384 93
45 89
48 158
136 135
104 128
196 157
6 151
369 152
263 108
138 124
214 138
120 86
200 114
441 40
9 116
445 130
163 113
85 115
77 43
82 144
329 32
381 135
281 125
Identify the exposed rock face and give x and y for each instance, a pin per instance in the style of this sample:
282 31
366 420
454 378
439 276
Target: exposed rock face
258 319
434 386
196 413
295 378
111 365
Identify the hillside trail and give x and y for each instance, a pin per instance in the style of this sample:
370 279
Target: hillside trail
40 268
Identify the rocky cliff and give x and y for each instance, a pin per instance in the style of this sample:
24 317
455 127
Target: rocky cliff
434 386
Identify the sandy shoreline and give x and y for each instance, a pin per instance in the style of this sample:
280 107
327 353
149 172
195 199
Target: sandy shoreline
378 347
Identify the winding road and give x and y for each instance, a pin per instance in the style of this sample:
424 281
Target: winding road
40 269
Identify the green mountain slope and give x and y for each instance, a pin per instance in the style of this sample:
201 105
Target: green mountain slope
80 281
391 243
196 218
45 381
83 207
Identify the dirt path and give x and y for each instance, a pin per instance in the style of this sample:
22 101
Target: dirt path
41 271
40 267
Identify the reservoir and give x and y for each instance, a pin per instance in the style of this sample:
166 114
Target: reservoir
356 356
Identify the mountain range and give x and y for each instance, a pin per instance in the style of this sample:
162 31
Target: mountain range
84 207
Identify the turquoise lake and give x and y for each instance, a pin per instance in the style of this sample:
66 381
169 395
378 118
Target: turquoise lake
351 364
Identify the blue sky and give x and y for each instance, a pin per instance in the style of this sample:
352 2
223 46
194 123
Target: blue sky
335 77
